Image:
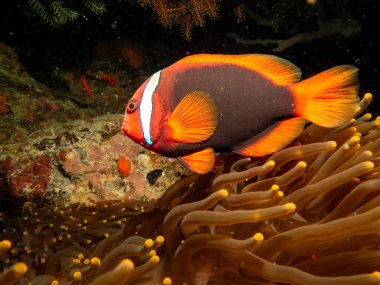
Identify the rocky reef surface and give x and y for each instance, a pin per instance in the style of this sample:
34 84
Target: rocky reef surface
57 148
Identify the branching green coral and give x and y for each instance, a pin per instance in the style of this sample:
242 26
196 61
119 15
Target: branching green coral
184 14
95 6
62 15
57 13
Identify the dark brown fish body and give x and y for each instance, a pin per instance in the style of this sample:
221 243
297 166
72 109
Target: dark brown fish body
247 103
251 104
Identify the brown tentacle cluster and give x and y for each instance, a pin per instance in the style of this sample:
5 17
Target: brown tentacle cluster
308 214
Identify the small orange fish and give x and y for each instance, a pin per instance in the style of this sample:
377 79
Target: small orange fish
252 104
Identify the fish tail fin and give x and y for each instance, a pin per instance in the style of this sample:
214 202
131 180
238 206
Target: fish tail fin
329 98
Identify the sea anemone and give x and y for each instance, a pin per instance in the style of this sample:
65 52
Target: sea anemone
308 214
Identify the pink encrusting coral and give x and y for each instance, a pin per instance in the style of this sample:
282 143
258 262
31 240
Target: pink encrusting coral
86 86
308 214
110 79
31 180
78 162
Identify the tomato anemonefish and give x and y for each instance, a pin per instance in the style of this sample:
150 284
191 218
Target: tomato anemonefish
252 104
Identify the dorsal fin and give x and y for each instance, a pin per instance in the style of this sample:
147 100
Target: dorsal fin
276 69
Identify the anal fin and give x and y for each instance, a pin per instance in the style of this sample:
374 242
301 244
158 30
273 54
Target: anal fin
200 162
272 138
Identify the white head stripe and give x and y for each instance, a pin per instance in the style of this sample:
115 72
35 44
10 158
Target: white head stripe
146 105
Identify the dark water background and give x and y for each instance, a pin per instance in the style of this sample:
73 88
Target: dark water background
43 48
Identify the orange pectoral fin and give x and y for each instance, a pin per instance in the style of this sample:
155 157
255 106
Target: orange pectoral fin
272 139
200 162
193 120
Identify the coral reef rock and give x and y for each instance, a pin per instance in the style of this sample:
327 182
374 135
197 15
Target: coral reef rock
53 148
78 162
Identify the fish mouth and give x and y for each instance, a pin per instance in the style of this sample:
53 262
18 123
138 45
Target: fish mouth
125 128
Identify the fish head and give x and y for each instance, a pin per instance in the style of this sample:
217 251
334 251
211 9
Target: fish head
144 114
131 124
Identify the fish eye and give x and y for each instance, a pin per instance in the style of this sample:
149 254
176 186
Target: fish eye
132 106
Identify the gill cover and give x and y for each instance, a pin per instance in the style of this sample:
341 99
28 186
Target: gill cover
144 113
146 106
